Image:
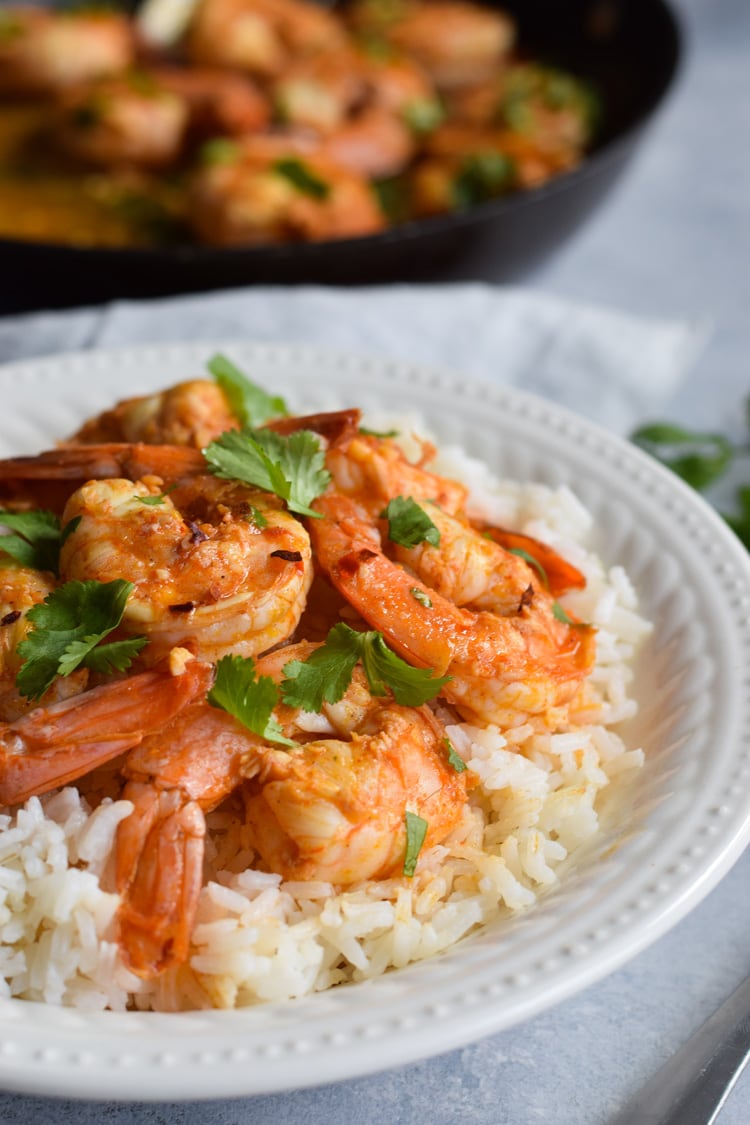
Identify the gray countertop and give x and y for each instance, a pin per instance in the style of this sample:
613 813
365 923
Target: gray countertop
673 240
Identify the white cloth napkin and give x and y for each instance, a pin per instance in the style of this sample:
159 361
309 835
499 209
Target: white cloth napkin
612 367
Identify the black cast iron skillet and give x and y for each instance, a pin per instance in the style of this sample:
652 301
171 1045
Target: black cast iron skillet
629 49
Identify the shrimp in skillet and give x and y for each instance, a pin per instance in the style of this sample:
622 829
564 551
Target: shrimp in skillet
520 658
333 807
217 566
281 188
43 52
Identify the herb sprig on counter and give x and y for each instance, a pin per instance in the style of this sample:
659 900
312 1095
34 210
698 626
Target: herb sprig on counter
701 460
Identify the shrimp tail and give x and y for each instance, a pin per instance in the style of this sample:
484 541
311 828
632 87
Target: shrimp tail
53 745
159 861
336 426
559 573
132 460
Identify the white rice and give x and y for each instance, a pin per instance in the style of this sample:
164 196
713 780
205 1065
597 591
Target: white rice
257 938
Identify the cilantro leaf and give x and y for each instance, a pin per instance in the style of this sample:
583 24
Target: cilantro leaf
378 433
560 615
327 673
248 699
454 758
423 115
416 830
699 459
291 467
67 628
408 524
117 656
38 538
527 558
740 522
249 403
299 175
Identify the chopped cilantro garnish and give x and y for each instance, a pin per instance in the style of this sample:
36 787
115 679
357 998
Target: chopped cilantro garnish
291 467
423 115
559 613
532 562
327 672
155 501
454 757
250 404
421 597
219 150
416 830
248 698
37 540
68 628
378 433
299 176
408 524
482 176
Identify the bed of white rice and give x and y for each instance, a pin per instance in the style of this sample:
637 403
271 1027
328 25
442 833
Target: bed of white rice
258 938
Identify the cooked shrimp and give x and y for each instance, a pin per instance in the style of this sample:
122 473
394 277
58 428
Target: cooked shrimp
217 566
375 143
46 52
219 102
374 470
456 42
127 121
57 743
260 36
191 413
280 189
527 660
331 808
48 478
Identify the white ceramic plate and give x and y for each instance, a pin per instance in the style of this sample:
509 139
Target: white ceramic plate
687 820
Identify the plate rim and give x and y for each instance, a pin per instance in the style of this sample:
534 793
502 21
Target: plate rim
70 1073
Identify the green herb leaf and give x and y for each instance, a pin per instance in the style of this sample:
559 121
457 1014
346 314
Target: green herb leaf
38 538
532 562
482 176
378 433
559 613
67 628
454 757
416 830
327 673
408 524
699 459
117 656
423 115
249 699
299 175
291 467
421 597
250 404
219 150
740 521
155 501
